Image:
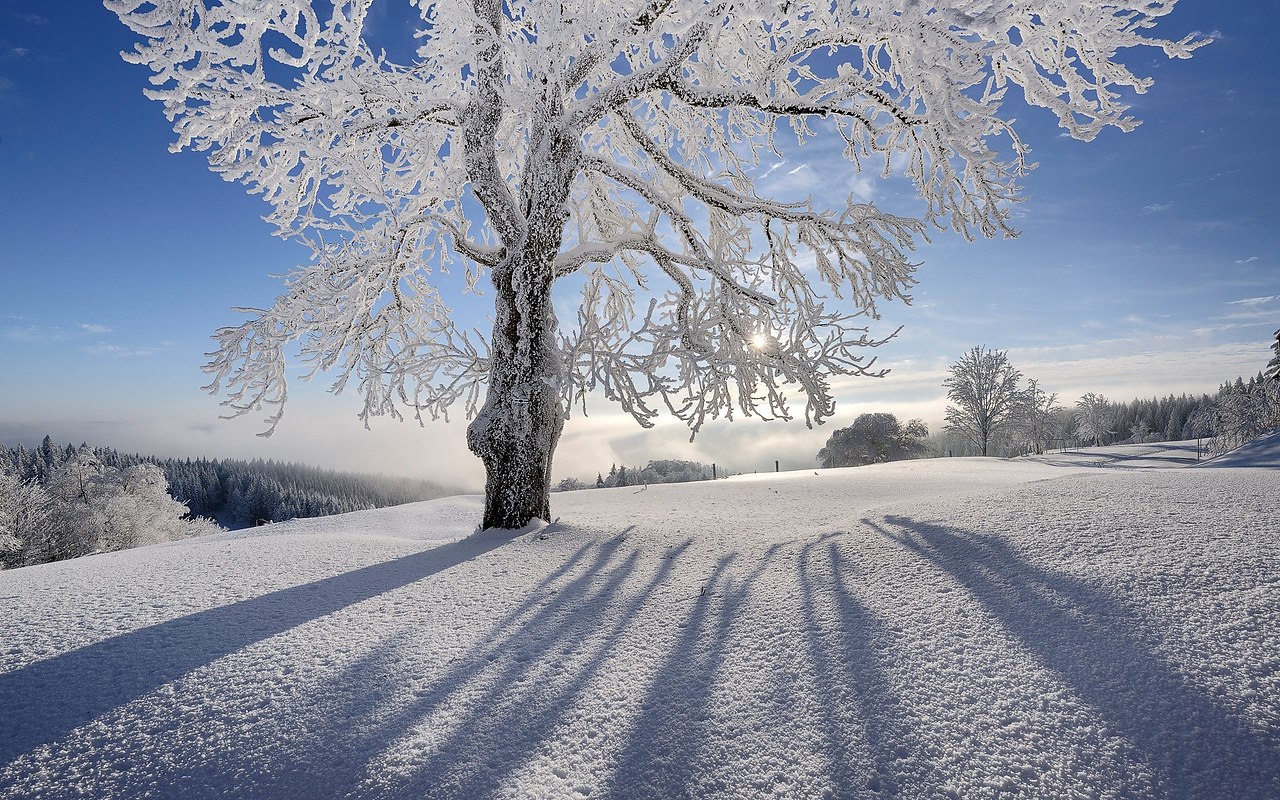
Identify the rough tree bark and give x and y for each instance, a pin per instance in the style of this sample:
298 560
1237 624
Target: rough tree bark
516 431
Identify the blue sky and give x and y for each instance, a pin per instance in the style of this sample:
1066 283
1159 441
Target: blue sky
1149 263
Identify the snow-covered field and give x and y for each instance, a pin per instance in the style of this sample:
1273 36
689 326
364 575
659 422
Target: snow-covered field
1063 626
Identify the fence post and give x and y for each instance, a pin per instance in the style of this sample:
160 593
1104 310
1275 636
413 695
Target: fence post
713 470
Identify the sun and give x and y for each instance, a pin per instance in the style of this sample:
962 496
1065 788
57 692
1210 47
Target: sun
760 341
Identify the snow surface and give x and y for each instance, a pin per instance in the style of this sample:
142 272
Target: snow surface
946 628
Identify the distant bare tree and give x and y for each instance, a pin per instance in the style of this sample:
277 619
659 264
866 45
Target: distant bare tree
1038 418
983 388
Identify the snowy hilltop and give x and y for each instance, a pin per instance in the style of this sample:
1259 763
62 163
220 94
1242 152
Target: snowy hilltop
1060 626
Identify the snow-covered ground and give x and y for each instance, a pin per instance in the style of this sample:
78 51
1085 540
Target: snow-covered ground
967 628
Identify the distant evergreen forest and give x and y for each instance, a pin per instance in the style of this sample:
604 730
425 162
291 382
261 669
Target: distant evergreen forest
235 493
659 471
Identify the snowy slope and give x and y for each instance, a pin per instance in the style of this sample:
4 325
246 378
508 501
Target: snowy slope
949 628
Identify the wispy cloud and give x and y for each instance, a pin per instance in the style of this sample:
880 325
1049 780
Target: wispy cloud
772 168
27 331
32 333
31 18
1227 326
1248 260
1156 208
1254 301
116 351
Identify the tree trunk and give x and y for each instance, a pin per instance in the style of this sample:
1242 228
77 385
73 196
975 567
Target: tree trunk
516 432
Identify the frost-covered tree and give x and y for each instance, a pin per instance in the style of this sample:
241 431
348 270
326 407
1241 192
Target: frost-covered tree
9 541
1239 413
874 439
1037 419
137 510
1095 418
615 148
1140 431
983 390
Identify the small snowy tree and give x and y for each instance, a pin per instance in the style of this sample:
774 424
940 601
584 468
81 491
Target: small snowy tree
1095 419
138 510
874 439
9 525
615 145
1037 418
1140 431
983 387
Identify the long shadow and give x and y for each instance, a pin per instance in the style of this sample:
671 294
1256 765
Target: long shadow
1196 748
853 689
46 700
508 723
660 758
510 692
334 760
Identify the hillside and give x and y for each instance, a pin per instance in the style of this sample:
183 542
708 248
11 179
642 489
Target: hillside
944 628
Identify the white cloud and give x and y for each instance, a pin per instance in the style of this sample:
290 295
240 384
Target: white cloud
116 351
318 429
1254 301
771 169
1206 330
1156 208
862 186
1129 375
32 333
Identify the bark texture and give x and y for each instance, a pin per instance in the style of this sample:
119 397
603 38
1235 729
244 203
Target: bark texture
517 430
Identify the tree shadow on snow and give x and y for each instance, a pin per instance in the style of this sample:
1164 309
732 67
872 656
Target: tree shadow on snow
871 745
46 700
500 701
661 755
1196 748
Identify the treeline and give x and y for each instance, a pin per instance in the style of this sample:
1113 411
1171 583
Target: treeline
237 493
1158 419
1240 411
660 471
991 413
1237 413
